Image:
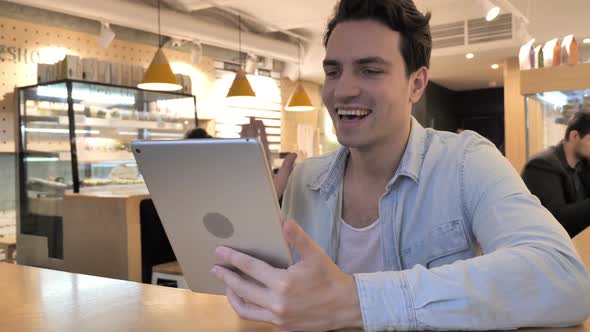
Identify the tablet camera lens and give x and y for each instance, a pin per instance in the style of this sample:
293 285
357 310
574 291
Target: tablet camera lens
138 150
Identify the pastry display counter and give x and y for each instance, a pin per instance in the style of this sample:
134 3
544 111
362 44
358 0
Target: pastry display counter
74 137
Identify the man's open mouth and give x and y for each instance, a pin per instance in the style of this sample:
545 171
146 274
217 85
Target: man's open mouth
352 114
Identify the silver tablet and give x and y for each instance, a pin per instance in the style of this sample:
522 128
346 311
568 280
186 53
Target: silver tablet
212 192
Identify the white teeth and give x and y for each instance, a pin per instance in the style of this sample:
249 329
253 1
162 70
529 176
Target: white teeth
356 112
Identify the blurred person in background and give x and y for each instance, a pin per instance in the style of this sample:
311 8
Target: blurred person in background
197 133
560 176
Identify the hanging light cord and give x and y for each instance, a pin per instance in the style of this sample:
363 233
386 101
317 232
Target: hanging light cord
299 61
240 40
159 34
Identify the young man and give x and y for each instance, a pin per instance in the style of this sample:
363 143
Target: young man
560 176
388 229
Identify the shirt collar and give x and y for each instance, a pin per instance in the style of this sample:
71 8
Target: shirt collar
410 165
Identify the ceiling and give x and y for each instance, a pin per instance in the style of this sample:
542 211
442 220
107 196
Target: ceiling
306 19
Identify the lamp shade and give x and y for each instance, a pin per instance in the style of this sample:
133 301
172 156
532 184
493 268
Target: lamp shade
159 75
240 87
299 100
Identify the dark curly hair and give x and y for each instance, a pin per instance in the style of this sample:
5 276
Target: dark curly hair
579 122
399 15
197 133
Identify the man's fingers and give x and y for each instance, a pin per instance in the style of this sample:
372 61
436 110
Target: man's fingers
255 268
250 129
247 310
245 289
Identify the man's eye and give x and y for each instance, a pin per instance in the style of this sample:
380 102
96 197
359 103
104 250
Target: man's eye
331 73
372 72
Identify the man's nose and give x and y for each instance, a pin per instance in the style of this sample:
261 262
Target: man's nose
347 86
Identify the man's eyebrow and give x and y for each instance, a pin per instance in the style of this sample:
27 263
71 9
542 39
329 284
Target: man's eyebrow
372 60
330 62
360 61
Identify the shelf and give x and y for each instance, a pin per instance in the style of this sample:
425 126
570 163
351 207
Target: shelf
84 121
136 124
560 78
43 154
45 147
89 157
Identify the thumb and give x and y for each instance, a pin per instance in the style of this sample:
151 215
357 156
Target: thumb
296 236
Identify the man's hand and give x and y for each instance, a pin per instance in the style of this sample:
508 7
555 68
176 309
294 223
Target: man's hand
281 179
256 129
251 129
312 295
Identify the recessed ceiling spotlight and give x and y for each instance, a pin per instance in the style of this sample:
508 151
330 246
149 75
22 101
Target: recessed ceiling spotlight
470 56
495 66
492 13
490 9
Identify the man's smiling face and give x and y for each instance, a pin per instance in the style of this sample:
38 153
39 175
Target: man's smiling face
366 89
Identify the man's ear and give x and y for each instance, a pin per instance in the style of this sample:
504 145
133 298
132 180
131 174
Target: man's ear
418 83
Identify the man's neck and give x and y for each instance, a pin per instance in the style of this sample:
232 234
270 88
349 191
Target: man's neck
570 154
378 163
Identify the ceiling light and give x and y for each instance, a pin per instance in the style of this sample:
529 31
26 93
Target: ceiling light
159 75
495 66
240 87
490 9
586 40
196 52
107 35
299 100
470 56
492 13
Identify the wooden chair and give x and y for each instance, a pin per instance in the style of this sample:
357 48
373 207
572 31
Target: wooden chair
9 246
168 274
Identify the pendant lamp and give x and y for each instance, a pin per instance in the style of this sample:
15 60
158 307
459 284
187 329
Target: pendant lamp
240 87
299 100
159 75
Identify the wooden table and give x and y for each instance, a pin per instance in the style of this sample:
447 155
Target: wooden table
33 299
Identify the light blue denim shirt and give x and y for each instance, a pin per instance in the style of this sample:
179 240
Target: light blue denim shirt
451 197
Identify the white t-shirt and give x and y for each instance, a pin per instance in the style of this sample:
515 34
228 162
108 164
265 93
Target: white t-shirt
359 250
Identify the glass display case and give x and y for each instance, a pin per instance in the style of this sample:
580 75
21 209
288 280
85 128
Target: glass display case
547 114
75 137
